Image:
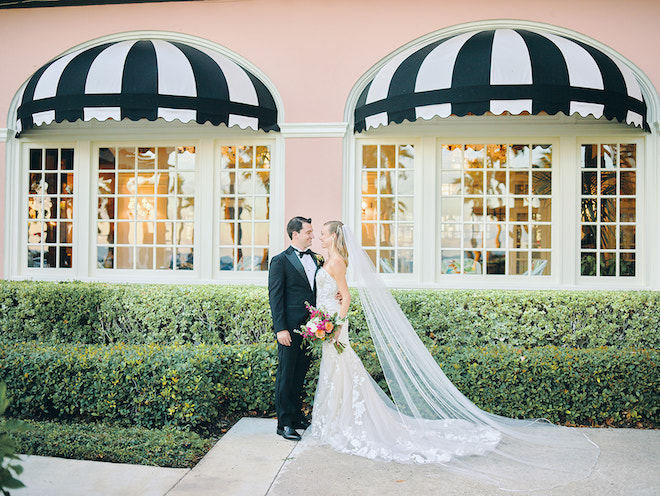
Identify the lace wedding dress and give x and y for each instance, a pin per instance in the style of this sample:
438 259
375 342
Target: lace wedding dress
353 415
428 420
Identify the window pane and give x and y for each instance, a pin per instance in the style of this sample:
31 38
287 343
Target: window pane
588 264
615 179
608 210
628 156
541 210
124 257
541 236
50 198
474 182
627 264
452 157
590 183
492 209
541 183
627 209
451 209
627 241
126 158
589 210
588 237
405 183
518 236
608 157
589 157
628 183
245 198
387 203
540 264
451 183
608 183
519 183
370 156
405 262
542 156
496 156
151 187
608 237
474 156
519 263
495 262
607 264
519 157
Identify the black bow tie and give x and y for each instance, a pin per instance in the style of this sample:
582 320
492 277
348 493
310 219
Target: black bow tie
301 253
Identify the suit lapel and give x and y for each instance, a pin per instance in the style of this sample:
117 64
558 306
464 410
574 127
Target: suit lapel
297 264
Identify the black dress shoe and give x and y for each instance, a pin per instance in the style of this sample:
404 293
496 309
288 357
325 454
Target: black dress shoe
288 433
301 424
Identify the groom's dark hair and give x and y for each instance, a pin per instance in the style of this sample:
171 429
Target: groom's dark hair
295 225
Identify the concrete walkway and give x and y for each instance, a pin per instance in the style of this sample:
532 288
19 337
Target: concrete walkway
251 460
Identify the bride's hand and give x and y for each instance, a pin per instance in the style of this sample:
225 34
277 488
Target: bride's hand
335 336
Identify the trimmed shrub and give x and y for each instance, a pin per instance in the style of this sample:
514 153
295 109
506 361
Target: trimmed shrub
192 386
106 443
214 314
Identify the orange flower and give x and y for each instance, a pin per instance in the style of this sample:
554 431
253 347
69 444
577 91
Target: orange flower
329 326
319 333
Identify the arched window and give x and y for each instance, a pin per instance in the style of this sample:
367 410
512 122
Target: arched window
500 156
144 157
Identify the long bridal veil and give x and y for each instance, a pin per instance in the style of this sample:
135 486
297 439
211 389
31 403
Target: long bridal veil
531 454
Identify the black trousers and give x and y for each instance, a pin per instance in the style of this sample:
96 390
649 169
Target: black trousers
293 364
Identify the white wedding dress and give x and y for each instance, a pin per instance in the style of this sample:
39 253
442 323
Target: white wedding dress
428 420
353 415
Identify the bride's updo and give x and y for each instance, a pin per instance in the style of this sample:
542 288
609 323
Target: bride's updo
339 243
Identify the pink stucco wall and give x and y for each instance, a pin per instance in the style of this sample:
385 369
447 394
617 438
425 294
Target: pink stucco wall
313 187
314 51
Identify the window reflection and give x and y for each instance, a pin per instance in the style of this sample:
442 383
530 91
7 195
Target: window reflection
608 204
387 206
50 208
244 207
489 196
146 208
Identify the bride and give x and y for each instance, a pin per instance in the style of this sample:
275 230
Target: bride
429 421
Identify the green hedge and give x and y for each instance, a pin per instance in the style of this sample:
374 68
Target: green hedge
96 313
192 386
166 447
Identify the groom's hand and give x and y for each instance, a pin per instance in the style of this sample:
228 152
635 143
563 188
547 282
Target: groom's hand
284 338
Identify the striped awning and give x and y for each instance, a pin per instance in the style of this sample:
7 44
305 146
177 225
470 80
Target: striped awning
498 71
146 79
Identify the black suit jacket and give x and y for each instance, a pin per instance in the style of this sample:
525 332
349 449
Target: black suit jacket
288 290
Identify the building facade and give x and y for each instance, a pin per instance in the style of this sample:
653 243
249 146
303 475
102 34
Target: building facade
508 145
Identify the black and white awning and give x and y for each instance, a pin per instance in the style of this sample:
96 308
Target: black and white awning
146 79
499 71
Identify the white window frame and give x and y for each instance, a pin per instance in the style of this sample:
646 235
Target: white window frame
564 134
402 279
275 199
86 139
642 251
21 227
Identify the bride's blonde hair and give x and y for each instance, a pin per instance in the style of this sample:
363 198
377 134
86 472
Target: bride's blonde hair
339 243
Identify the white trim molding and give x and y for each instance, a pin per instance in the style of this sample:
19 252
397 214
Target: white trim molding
314 130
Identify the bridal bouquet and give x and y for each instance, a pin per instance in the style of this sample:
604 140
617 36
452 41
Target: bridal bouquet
320 326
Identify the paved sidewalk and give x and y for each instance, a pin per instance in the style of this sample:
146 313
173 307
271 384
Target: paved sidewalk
251 460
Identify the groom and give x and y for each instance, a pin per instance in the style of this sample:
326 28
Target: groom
291 283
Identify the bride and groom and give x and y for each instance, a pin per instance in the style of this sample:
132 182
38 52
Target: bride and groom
427 420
